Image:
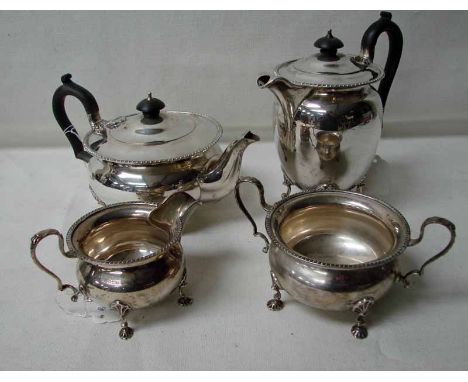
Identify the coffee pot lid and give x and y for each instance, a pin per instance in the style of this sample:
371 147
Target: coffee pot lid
329 68
152 136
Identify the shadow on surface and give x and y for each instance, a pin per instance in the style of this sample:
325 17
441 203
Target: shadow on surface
204 272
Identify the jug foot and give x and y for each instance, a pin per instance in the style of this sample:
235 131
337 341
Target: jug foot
361 307
123 309
275 303
183 299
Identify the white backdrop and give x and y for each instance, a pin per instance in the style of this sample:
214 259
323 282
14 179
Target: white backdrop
208 61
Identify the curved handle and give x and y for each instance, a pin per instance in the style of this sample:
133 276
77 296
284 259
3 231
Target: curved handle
69 88
35 242
433 220
264 204
395 39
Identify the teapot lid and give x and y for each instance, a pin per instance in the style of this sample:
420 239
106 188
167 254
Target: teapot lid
152 136
330 69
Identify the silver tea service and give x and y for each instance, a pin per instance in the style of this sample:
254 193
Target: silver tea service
336 250
328 118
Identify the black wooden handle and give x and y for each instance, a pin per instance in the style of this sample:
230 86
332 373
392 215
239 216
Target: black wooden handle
69 88
395 38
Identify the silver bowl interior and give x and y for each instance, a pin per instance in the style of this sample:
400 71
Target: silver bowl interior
119 233
339 227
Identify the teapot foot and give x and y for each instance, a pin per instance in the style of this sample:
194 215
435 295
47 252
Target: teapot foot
183 299
361 307
275 303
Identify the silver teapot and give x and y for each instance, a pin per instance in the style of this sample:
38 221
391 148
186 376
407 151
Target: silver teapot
149 155
328 118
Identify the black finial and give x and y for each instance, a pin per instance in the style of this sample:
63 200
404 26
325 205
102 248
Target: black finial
328 46
150 107
386 15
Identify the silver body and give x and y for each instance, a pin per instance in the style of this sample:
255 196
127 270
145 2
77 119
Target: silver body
336 250
112 182
325 135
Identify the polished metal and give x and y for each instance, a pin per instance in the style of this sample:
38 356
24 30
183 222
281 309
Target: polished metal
111 182
122 309
123 260
327 116
331 249
361 307
145 156
275 303
325 135
129 254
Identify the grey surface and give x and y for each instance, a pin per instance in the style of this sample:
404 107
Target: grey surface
228 326
207 61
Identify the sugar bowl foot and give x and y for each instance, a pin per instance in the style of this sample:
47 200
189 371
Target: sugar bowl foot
361 307
275 303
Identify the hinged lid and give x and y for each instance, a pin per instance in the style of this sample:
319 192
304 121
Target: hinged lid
153 136
330 69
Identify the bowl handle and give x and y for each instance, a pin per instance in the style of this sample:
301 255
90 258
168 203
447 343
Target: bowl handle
35 242
264 204
433 220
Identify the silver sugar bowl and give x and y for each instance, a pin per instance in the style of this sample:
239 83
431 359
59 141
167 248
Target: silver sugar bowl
336 250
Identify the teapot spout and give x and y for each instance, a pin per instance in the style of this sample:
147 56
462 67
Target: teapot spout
217 182
221 179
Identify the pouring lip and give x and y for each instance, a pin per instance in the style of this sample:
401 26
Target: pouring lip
285 250
175 237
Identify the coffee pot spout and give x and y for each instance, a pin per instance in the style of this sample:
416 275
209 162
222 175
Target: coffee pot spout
289 95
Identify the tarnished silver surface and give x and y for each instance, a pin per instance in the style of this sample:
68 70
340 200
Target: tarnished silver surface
330 249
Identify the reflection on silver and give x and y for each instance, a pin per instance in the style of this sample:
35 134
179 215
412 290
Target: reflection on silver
332 249
324 135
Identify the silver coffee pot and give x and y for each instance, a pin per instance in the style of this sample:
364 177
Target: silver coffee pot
328 118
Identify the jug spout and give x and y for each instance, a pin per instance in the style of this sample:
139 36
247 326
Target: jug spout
277 85
173 212
221 178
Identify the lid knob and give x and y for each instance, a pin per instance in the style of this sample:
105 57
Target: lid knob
150 107
328 46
